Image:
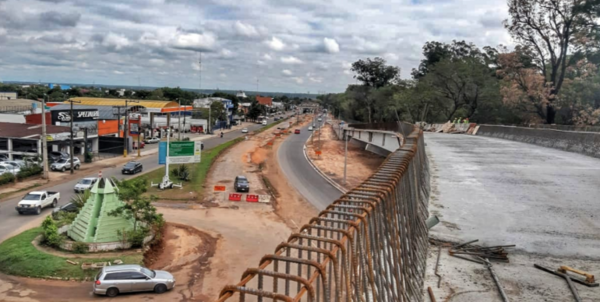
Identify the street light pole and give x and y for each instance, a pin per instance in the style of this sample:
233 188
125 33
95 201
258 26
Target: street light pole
44 141
345 155
72 148
179 119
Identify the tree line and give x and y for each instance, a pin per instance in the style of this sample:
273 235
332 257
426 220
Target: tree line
551 76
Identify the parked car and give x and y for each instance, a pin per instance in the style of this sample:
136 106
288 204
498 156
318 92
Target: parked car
12 166
132 167
310 128
3 156
153 140
64 164
319 119
116 279
297 131
264 122
245 130
85 184
35 201
69 207
4 170
241 184
142 145
55 156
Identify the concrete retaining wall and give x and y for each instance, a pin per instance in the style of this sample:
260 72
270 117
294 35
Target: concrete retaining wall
587 143
99 246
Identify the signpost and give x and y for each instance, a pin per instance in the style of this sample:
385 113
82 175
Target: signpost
186 152
220 188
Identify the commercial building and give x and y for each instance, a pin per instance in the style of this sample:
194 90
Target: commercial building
228 104
8 95
24 140
265 100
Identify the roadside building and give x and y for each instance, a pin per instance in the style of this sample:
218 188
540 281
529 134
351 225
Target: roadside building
228 104
265 100
24 140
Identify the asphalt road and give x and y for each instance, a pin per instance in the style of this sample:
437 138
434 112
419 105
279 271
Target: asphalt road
12 221
302 175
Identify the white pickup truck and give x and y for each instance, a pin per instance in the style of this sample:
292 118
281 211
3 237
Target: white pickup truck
35 201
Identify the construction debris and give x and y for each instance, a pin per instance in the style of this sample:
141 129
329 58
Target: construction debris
72 262
496 253
562 272
562 275
431 296
437 263
496 280
589 278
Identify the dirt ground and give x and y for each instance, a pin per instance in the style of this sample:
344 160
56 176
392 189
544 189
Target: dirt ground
361 163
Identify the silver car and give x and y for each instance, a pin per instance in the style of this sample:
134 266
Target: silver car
128 278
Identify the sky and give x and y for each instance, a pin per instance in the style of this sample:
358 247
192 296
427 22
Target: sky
287 45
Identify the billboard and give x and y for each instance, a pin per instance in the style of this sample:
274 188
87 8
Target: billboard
180 152
79 115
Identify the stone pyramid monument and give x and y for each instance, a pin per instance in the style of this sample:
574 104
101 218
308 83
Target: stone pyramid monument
93 224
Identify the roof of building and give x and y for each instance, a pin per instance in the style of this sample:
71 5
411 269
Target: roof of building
264 100
18 103
32 131
121 102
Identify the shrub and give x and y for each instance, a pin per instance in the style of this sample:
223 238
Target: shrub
182 172
135 237
51 236
6 178
65 218
29 170
80 248
89 157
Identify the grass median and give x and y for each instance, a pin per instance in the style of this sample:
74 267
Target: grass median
198 173
19 257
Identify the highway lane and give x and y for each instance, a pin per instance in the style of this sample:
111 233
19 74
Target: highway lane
12 221
301 174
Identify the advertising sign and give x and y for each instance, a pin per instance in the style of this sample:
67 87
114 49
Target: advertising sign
80 115
162 153
184 152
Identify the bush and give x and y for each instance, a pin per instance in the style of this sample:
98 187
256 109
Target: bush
80 248
6 178
29 170
182 172
65 218
89 157
136 238
50 230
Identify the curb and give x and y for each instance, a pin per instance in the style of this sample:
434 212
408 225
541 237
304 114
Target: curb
327 178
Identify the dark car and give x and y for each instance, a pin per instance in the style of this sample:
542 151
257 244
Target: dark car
69 207
241 184
55 156
132 167
297 131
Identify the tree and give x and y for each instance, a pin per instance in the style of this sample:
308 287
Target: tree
255 110
136 207
554 29
375 73
579 100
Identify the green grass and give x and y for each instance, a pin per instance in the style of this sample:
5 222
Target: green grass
19 257
198 173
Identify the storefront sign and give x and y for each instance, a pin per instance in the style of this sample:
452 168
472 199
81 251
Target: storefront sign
64 116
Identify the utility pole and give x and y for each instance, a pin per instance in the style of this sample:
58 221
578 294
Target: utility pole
179 120
72 138
44 141
209 119
345 155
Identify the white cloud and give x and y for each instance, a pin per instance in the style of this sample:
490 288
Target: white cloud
290 60
298 80
245 30
118 72
267 57
222 75
115 41
287 72
195 42
157 62
331 45
276 44
226 54
2 31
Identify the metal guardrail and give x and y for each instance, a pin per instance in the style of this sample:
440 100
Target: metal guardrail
369 245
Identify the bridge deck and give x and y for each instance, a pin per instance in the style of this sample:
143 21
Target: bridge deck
544 200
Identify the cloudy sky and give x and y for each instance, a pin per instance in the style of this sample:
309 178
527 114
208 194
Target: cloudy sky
289 45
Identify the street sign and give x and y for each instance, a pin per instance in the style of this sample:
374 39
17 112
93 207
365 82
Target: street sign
184 152
220 188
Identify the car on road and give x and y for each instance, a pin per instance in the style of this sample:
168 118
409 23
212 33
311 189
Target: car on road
132 167
55 156
128 278
69 207
245 130
153 140
297 131
142 145
35 201
85 184
64 164
319 119
264 122
310 128
241 184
